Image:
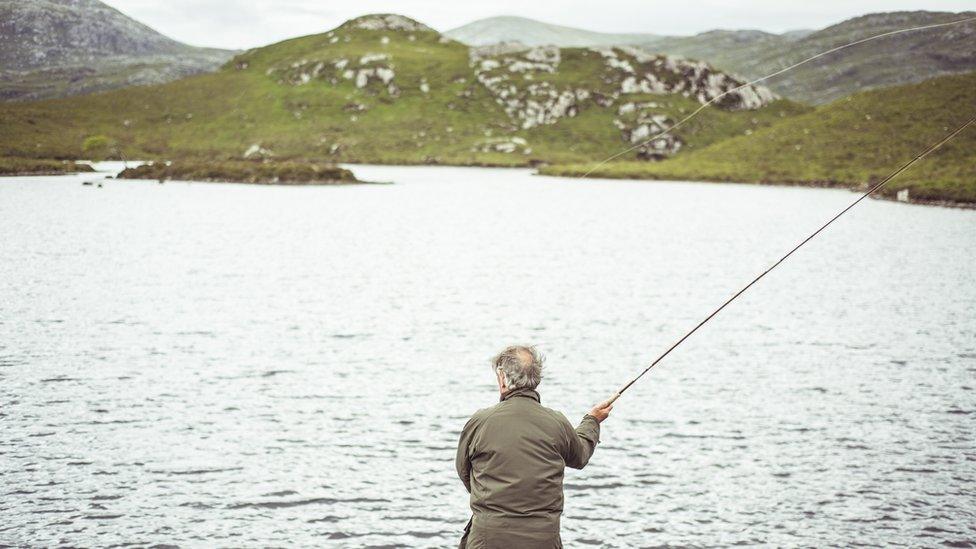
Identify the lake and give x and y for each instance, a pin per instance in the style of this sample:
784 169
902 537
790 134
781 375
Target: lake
232 365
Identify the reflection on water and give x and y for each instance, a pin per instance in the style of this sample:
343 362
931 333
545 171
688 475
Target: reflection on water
237 365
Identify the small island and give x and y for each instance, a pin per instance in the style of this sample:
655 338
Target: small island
10 166
244 171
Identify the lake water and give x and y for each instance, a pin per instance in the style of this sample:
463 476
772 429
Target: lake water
233 365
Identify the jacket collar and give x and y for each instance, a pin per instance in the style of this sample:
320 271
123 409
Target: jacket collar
523 392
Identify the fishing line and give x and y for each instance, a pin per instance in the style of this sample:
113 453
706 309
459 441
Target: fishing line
764 78
870 191
874 188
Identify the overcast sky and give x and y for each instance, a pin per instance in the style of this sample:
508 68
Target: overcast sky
248 23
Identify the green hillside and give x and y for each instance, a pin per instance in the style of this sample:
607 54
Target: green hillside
847 143
387 89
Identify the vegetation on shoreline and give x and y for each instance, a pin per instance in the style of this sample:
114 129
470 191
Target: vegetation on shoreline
40 166
243 171
848 143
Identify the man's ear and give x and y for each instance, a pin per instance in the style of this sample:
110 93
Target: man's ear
501 379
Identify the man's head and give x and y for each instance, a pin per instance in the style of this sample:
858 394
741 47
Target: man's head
518 367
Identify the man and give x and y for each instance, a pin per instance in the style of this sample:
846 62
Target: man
511 458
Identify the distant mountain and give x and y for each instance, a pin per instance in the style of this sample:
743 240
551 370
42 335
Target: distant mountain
54 48
728 49
387 89
899 59
798 34
495 30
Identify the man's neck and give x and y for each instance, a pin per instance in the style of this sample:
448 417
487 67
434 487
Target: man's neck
531 393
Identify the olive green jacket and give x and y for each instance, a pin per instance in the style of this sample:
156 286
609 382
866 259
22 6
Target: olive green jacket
511 458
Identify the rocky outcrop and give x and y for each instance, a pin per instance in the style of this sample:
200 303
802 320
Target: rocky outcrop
256 151
507 145
640 72
510 75
387 21
372 70
642 126
526 83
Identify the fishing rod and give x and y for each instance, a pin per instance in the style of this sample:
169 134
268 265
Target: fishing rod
870 191
712 101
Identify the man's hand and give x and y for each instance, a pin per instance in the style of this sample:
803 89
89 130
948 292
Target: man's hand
601 411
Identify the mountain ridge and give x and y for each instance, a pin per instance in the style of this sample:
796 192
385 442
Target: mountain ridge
52 48
532 32
920 55
917 55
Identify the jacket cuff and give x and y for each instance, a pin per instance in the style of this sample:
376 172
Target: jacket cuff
590 426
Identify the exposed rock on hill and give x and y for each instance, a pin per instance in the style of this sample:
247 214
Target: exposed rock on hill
387 21
527 83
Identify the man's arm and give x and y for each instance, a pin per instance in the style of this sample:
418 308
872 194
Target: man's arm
463 460
583 440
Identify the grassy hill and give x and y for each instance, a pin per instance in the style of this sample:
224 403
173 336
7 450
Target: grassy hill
846 143
387 89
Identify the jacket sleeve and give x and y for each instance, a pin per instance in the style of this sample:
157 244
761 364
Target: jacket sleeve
463 460
582 441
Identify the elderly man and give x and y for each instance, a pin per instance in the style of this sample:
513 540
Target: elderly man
511 459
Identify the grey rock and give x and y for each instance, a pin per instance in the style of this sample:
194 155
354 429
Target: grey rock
388 21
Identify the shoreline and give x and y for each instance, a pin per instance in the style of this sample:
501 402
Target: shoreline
811 184
13 166
325 183
536 166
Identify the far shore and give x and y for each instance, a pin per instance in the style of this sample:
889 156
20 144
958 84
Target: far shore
553 170
890 192
15 166
298 173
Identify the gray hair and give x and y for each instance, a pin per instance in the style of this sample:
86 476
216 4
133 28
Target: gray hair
521 365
